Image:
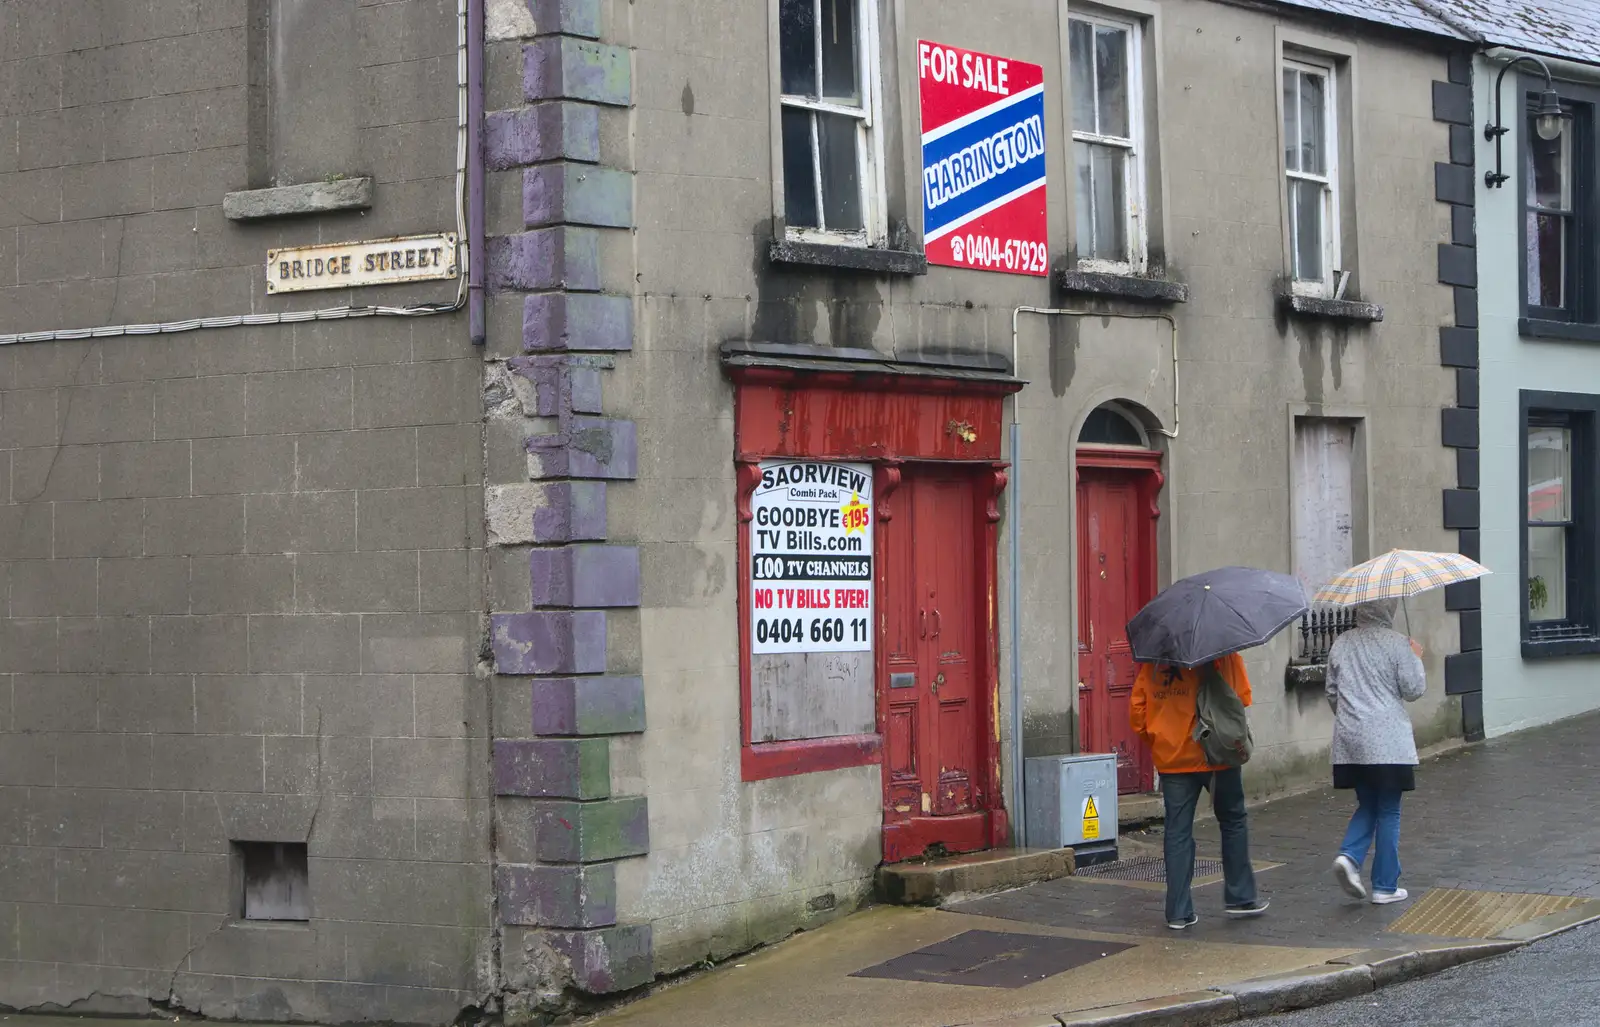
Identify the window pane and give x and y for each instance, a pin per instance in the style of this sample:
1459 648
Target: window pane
839 78
1080 40
1313 123
1547 259
1306 201
841 173
797 46
1291 120
1084 199
1111 75
1548 171
1549 470
1101 194
1547 574
799 175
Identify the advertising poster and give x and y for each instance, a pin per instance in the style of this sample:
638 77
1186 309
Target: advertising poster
811 558
983 161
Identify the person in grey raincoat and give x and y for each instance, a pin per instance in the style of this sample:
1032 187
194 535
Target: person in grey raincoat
1373 671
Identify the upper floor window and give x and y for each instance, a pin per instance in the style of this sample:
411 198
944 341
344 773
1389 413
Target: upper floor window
1311 166
1559 256
1107 151
830 123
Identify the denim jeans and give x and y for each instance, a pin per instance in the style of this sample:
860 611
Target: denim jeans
1377 814
1180 793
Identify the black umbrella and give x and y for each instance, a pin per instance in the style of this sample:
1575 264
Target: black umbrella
1200 618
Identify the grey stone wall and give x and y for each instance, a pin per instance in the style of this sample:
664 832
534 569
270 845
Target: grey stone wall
240 569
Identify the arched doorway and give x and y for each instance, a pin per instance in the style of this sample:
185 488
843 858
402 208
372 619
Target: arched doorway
1119 480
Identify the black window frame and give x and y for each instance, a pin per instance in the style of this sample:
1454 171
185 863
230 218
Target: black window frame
1579 320
1579 633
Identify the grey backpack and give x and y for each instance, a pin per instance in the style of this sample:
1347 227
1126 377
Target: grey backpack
1220 725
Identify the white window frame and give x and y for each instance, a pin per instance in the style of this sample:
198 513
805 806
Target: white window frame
869 143
1331 244
1133 167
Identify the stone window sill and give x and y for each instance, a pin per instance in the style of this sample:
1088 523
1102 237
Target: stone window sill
298 200
1322 308
1556 648
1127 287
1305 675
1567 331
854 258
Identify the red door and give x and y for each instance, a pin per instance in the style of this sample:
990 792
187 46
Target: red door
1114 581
932 683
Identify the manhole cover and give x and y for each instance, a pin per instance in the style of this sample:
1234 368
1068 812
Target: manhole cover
1147 868
1453 913
992 959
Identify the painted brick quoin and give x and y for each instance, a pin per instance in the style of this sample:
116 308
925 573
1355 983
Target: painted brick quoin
569 328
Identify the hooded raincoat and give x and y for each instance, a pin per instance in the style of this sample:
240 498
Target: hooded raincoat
1372 674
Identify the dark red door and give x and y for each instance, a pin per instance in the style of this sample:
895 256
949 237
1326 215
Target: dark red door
1113 583
935 792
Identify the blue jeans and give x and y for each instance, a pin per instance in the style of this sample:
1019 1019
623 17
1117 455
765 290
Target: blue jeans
1377 814
1180 793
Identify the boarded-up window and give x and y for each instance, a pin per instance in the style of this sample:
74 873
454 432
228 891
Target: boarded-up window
1324 499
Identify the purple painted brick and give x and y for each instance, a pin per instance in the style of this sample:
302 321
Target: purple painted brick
567 17
574 511
543 132
557 321
588 447
563 385
588 706
547 258
591 832
564 896
549 642
553 768
585 576
609 959
577 194
564 68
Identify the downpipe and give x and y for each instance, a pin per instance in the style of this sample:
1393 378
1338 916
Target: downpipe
476 328
1014 488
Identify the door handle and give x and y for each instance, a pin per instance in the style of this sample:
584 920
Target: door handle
938 624
922 622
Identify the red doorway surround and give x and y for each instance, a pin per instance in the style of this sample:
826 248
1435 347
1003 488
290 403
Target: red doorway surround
891 420
1117 508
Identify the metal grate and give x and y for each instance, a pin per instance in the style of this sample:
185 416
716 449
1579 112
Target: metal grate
1150 869
993 959
1320 628
1452 913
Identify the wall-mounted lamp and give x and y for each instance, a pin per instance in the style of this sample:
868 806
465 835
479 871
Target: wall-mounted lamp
1549 118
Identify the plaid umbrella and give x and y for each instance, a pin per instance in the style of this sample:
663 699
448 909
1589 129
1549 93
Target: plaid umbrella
1397 574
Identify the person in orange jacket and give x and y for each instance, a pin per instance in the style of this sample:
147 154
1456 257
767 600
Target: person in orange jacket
1163 714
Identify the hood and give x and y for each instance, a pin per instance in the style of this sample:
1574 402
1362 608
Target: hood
1376 614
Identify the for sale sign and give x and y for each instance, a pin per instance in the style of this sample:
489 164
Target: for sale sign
811 558
983 160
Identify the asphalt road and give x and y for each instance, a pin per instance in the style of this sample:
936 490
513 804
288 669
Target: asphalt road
1552 982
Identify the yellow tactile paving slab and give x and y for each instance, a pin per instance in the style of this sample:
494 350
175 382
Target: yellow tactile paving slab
1454 913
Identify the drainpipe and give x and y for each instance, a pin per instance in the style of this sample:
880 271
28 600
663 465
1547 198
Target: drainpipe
1019 806
474 185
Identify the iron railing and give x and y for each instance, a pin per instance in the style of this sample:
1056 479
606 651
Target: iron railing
1318 630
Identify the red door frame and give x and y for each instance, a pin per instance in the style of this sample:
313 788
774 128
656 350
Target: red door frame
887 420
1146 465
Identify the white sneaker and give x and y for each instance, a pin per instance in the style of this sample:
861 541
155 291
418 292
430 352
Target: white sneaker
1348 875
1383 898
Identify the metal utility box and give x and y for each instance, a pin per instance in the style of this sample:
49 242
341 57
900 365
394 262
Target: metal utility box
1072 803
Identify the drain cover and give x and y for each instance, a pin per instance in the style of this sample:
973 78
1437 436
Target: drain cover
992 959
1148 869
1452 913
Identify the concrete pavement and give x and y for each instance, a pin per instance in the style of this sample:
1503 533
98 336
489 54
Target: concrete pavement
1497 843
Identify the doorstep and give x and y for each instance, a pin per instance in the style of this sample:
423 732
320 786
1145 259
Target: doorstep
928 883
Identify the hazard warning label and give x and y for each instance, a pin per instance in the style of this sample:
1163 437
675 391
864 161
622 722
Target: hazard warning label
1091 819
